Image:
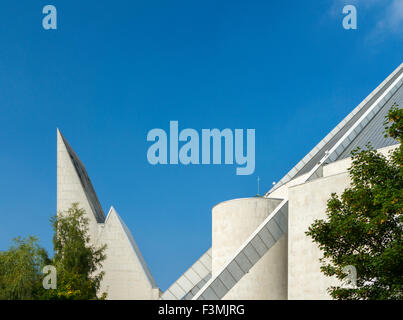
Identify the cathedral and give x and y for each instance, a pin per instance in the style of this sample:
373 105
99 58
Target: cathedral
267 255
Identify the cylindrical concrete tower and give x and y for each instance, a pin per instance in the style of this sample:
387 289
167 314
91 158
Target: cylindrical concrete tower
233 222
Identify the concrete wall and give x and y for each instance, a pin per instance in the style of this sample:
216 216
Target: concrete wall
307 202
233 222
341 166
126 275
70 189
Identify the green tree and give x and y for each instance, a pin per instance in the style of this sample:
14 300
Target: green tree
77 261
21 269
364 225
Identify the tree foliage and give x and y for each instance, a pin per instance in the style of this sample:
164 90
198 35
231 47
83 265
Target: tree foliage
364 225
77 261
20 269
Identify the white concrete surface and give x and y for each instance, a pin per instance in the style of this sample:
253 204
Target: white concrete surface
307 202
341 166
126 273
69 187
233 222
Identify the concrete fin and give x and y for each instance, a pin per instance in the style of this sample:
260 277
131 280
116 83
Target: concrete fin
70 172
115 221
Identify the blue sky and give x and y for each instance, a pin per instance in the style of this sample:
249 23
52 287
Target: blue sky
113 70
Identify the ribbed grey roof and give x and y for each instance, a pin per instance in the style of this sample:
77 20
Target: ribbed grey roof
327 143
374 130
311 163
191 280
197 287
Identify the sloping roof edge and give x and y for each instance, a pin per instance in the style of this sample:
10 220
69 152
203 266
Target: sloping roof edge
85 181
134 246
314 156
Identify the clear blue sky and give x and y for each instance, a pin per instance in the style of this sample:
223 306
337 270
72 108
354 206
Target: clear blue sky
113 70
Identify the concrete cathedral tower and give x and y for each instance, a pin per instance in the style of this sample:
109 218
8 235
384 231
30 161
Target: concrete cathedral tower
303 192
126 274
259 247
